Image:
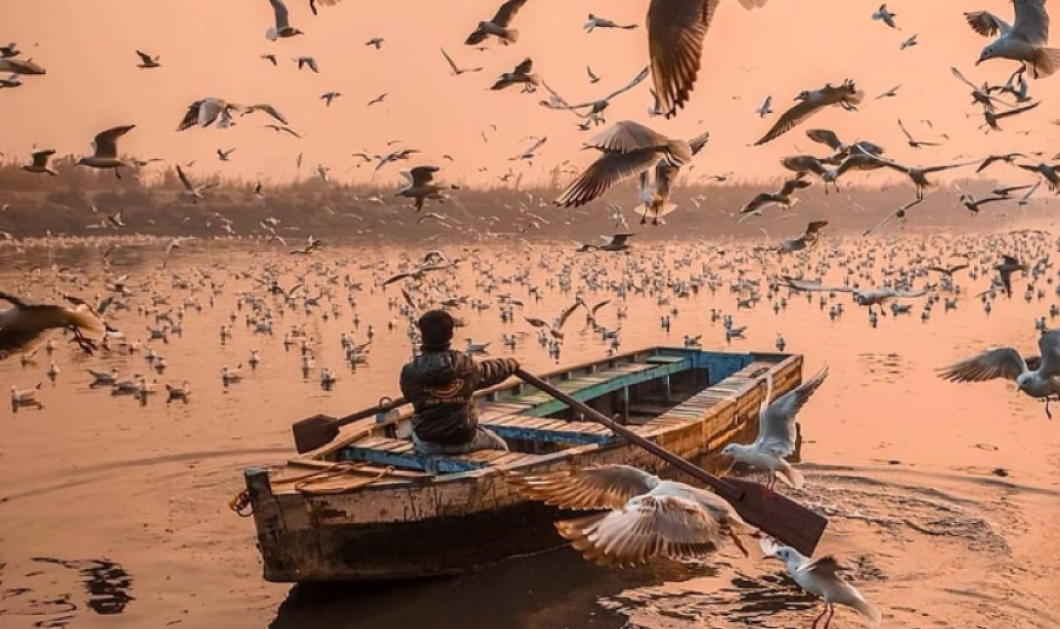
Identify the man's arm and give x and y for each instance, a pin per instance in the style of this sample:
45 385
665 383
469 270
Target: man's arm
495 371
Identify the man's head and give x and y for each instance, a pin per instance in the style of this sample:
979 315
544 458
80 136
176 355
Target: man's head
436 328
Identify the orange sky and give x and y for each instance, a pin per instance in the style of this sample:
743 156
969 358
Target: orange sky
212 47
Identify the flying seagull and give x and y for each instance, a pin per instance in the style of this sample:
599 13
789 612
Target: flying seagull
1024 40
846 96
1036 376
24 325
456 70
521 75
40 163
420 185
885 16
499 26
596 22
628 148
776 432
283 26
147 61
643 515
913 143
106 150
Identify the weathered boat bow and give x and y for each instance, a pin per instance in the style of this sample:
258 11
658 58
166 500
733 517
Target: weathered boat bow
367 507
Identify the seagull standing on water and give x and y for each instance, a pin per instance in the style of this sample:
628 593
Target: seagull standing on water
820 577
776 432
648 517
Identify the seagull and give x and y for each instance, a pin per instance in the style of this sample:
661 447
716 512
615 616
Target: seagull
846 96
1024 40
766 108
531 152
205 111
106 150
457 71
900 214
1047 171
617 242
776 432
23 326
913 143
10 82
596 107
1026 198
283 26
992 117
520 75
271 58
885 16
645 517
806 240
891 93
917 175
980 95
395 156
330 96
419 185
593 78
596 22
224 155
190 190
783 198
147 61
499 26
375 41
820 577
307 62
26 397
40 163
10 50
19 66
282 129
628 148
1038 377
909 43
378 99
972 205
990 159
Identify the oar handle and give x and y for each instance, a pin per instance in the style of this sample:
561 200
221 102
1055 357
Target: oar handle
721 487
369 412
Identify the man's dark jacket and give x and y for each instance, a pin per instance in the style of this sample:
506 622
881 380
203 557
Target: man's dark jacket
440 386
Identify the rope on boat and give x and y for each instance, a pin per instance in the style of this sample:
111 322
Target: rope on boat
302 483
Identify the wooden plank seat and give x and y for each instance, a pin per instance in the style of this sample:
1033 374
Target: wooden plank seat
401 453
549 430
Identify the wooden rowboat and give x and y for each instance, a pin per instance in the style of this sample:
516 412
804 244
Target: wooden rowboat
367 507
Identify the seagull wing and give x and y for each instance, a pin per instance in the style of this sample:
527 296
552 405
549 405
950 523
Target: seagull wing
145 58
986 23
627 136
676 29
282 19
1032 22
106 142
607 170
1005 363
566 314
649 526
776 424
450 61
269 109
507 12
422 175
602 487
184 181
1013 112
637 80
791 119
957 73
826 137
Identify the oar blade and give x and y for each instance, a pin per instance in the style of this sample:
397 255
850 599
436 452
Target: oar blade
779 516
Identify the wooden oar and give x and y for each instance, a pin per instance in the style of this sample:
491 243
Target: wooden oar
777 515
317 432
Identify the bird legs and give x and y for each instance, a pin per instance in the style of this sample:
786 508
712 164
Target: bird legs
86 344
828 609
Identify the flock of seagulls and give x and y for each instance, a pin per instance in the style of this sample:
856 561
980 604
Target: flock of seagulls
637 516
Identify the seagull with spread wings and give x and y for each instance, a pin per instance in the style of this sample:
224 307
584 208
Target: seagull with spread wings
777 433
913 142
1036 376
846 96
808 238
105 155
499 26
25 325
556 327
1024 40
595 107
628 148
190 190
147 61
420 185
40 163
643 516
456 70
762 200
